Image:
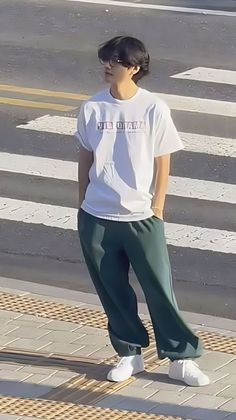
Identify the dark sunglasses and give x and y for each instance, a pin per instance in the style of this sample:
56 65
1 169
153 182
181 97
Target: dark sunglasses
112 62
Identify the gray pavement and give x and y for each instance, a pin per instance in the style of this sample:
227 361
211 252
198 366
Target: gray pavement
151 392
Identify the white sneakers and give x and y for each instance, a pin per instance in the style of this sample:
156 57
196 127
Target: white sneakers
127 367
186 371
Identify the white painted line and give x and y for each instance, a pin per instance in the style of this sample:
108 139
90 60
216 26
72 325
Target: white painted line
66 218
158 7
203 190
199 105
203 106
52 124
205 74
66 170
211 145
218 146
38 166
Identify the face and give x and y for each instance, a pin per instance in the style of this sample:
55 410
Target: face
115 72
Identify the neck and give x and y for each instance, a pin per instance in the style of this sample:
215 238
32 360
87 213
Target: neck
124 91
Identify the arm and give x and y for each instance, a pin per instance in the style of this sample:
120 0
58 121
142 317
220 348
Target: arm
85 160
161 174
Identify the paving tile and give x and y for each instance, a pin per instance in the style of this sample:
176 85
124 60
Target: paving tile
205 414
216 375
18 375
90 339
86 350
230 368
136 404
33 318
57 347
163 382
28 332
229 405
39 370
229 379
6 341
142 382
172 397
110 402
26 323
231 416
104 352
66 374
7 315
172 410
35 379
212 389
55 381
92 330
214 360
161 369
228 392
135 392
30 344
4 329
22 389
9 366
63 336
63 326
205 401
8 417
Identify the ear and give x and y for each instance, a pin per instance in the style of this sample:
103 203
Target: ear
134 70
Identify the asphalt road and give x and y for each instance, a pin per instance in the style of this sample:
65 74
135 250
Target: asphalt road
52 45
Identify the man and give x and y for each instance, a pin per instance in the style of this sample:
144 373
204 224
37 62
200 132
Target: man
126 136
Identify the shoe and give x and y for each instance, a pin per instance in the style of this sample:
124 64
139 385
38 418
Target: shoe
127 366
188 372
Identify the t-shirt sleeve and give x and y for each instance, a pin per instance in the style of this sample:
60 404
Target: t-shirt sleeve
167 139
81 133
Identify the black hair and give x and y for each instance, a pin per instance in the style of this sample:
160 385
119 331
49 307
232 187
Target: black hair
130 51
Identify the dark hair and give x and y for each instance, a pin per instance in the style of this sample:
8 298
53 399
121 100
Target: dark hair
130 51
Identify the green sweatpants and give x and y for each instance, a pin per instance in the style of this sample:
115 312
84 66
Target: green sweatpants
109 248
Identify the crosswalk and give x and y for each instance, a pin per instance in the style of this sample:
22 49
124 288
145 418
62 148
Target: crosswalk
185 192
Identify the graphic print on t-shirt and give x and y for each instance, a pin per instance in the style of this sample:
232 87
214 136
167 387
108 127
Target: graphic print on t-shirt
124 126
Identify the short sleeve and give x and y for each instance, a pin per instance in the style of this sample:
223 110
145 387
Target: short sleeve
81 133
167 139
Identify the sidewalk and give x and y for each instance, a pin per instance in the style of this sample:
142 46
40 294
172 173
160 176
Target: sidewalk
55 353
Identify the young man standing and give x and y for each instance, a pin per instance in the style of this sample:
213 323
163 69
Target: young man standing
126 136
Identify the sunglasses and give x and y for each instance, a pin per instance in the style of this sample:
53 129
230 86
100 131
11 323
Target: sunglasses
112 62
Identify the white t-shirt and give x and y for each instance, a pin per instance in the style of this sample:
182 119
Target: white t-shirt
124 136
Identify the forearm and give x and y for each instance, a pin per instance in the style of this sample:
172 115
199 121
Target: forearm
85 162
162 169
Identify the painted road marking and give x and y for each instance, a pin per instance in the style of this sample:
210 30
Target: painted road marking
218 146
204 74
43 92
67 170
176 102
33 104
159 7
66 218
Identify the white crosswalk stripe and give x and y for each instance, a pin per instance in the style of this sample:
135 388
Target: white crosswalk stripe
65 218
61 169
177 234
193 142
204 74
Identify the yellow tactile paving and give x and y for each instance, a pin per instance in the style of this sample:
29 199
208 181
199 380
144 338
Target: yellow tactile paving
97 319
51 410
